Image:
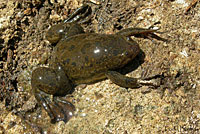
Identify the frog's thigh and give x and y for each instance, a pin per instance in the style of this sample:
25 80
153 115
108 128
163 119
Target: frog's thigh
122 80
75 29
135 31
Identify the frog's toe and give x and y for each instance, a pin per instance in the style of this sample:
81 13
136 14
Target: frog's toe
62 110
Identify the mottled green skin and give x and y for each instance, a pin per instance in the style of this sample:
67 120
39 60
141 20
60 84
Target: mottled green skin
85 58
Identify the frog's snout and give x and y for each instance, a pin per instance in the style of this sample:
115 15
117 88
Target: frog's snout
134 49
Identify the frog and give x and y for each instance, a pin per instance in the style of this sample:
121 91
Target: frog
83 58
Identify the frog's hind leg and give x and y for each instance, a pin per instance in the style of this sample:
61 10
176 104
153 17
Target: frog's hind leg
141 32
128 82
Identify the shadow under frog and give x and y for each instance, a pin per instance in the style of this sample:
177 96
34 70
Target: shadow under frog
83 58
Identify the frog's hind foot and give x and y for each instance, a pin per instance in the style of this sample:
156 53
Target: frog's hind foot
57 109
62 110
83 12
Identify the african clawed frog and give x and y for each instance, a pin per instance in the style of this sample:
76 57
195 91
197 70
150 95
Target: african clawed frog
82 58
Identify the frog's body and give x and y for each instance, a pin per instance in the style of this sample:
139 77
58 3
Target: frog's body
82 58
86 58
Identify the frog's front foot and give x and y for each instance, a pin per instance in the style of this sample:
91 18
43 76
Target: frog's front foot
58 109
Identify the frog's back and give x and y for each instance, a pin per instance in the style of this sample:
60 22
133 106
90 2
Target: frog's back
86 57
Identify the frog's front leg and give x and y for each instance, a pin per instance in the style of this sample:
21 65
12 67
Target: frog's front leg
140 32
46 82
128 82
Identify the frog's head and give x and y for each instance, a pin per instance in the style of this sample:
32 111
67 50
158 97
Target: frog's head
50 81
